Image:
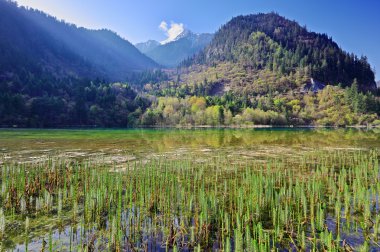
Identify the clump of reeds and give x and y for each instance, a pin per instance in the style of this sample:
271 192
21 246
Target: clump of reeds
177 204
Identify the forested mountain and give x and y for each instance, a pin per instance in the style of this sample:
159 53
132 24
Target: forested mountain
171 54
33 42
265 69
55 74
273 43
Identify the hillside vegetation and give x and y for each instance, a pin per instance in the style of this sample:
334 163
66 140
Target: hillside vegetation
265 69
270 41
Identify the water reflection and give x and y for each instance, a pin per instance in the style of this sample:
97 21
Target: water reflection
36 144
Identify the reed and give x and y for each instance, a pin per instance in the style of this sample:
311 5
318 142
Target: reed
184 204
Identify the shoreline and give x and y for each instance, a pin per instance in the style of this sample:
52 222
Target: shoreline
94 127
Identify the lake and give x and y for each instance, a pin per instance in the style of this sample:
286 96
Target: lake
29 145
189 189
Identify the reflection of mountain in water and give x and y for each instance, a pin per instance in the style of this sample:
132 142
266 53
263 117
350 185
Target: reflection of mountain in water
125 145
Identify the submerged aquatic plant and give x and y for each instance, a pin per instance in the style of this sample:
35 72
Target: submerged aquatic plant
2 223
26 233
226 203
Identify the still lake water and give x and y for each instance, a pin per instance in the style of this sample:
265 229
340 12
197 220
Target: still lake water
118 146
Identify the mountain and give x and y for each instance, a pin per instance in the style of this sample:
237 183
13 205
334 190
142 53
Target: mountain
257 69
34 41
147 46
182 47
378 84
255 53
267 70
54 74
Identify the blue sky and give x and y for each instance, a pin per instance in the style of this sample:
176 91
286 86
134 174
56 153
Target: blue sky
353 24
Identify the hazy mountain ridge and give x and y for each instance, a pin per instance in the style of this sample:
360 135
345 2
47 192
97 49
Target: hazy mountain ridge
171 54
31 37
147 46
54 74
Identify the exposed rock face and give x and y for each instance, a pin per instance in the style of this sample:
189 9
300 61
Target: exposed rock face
313 86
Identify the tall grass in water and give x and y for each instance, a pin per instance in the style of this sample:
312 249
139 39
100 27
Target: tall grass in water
324 201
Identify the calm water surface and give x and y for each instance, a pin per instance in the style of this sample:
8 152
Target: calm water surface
123 145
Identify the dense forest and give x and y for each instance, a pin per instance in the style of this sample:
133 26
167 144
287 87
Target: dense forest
55 102
333 106
258 69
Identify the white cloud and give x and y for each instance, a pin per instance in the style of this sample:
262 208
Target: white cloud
163 26
171 32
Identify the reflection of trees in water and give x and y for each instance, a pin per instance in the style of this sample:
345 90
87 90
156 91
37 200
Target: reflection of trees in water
161 140
251 138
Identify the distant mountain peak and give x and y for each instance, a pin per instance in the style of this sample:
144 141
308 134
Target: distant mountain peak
152 42
183 46
147 46
185 33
